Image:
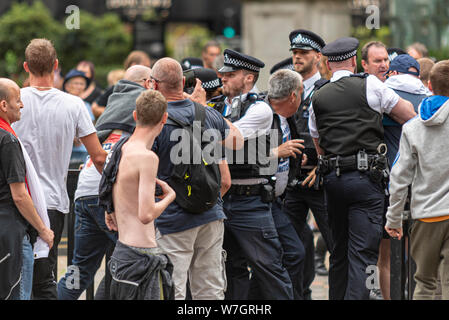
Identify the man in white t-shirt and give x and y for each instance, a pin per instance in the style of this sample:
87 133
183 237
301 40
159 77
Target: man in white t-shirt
51 119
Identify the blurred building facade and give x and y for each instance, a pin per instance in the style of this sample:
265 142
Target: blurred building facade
261 27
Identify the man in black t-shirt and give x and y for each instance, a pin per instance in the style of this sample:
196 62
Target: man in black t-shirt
16 206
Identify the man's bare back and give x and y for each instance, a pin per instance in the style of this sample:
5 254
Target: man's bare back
134 195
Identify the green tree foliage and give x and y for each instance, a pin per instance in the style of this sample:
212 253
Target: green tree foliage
17 27
100 39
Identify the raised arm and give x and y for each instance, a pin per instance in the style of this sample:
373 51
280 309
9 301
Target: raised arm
234 139
402 111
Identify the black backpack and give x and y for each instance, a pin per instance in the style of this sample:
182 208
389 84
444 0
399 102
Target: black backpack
197 185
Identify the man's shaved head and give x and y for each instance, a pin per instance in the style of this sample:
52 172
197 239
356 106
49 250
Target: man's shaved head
168 73
137 73
6 87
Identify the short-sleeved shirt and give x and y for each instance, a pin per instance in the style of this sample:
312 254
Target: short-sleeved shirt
174 218
12 165
50 120
380 98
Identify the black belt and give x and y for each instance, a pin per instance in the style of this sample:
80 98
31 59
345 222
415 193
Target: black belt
246 190
345 164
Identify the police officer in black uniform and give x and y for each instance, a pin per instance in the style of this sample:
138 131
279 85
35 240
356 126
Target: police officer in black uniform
346 126
301 195
251 239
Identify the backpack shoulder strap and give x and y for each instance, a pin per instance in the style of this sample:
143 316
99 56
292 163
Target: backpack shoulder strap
173 121
200 114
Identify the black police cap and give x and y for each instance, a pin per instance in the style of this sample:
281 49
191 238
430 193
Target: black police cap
284 64
234 60
191 63
341 49
306 40
208 77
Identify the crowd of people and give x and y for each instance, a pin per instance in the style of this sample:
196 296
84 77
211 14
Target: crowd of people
324 149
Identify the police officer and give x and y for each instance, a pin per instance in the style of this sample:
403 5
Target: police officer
251 239
284 64
346 126
301 194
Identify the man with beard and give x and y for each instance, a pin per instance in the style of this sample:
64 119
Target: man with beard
251 239
301 195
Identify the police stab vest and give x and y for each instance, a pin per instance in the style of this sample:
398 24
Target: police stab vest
345 121
251 161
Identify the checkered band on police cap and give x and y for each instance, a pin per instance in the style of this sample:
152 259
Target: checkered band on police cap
211 84
228 60
304 41
342 57
341 49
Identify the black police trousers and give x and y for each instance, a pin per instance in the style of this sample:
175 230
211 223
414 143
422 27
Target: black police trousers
355 207
251 240
297 203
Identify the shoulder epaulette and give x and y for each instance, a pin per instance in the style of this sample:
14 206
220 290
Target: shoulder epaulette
360 75
319 83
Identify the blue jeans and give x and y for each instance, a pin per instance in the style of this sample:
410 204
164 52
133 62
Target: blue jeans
251 240
26 280
92 238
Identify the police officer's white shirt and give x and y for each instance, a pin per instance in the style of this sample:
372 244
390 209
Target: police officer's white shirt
256 122
380 98
310 83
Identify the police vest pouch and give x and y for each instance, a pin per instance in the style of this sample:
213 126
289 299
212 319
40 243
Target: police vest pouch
197 185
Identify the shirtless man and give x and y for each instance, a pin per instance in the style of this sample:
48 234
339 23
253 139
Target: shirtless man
135 208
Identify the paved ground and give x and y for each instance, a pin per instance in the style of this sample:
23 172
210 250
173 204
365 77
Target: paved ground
320 286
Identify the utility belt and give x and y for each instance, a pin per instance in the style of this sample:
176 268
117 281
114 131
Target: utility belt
375 165
265 191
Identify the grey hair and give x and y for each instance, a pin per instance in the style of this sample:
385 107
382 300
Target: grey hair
283 83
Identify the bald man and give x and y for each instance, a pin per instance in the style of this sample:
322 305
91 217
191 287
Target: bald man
193 242
17 210
92 238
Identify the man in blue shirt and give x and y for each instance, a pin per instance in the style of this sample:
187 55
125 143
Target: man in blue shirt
193 242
